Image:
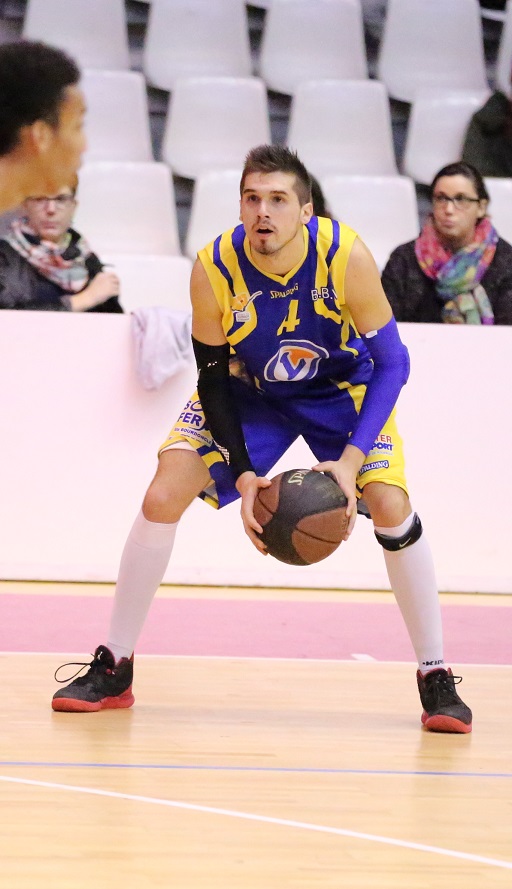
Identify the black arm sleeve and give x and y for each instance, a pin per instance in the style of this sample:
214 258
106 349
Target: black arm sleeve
219 406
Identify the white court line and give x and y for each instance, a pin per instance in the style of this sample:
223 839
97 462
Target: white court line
354 659
264 819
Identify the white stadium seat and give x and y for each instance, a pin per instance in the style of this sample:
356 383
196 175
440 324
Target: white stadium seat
504 59
500 205
94 32
215 208
342 126
192 38
305 40
127 208
117 119
436 129
431 43
213 122
382 210
152 280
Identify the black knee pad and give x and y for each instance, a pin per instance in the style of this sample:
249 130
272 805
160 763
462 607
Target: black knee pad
393 544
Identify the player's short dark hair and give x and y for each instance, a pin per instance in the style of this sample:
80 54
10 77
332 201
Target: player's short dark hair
278 159
33 77
320 207
461 168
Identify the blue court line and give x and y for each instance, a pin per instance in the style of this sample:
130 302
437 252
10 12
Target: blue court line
260 769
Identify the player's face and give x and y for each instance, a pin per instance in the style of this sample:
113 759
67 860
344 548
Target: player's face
455 222
51 216
62 151
271 212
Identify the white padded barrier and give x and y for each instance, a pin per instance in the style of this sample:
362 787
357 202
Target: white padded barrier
79 441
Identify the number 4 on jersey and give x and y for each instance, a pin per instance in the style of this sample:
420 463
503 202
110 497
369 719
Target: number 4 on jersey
291 321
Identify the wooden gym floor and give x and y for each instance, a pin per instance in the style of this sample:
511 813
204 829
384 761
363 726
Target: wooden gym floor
256 772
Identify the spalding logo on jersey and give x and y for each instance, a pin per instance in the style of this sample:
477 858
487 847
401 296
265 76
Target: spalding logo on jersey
295 360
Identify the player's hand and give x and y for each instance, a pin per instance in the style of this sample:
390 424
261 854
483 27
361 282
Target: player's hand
248 485
344 471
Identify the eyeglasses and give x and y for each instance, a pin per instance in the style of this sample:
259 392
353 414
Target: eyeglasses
61 200
460 201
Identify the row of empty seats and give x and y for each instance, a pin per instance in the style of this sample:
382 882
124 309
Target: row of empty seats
438 43
214 121
340 120
136 231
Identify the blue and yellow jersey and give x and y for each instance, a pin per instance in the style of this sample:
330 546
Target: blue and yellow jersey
292 329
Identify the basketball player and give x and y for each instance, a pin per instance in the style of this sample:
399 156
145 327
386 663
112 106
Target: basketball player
296 301
41 121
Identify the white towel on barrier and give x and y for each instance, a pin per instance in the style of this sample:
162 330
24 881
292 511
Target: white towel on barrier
163 344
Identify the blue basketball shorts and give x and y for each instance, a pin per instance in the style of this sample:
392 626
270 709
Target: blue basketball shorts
272 425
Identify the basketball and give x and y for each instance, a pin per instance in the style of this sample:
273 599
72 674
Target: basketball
303 516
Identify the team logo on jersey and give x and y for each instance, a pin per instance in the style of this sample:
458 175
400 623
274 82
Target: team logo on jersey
240 304
296 360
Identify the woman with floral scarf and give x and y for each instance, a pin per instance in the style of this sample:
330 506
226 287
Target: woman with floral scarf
458 271
45 264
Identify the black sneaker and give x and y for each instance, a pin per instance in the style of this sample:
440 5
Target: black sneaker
443 710
105 686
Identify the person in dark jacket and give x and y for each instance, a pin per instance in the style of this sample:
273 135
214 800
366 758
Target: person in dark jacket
488 139
46 265
459 270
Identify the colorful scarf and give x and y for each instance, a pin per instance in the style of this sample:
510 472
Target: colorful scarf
69 271
458 275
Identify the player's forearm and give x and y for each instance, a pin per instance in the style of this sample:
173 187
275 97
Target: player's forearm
353 458
219 406
390 373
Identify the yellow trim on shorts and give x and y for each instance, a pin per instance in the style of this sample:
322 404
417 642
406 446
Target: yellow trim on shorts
394 472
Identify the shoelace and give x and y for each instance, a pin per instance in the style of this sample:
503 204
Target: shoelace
93 665
444 686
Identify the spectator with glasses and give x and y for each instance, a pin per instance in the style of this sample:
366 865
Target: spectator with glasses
459 270
45 264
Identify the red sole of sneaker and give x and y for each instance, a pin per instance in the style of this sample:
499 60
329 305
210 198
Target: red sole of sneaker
445 724
71 705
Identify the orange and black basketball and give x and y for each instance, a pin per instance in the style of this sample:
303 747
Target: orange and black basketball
303 516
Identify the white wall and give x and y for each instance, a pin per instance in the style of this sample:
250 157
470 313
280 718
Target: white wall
78 442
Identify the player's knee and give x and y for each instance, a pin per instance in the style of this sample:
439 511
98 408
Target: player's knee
180 477
159 503
410 536
389 505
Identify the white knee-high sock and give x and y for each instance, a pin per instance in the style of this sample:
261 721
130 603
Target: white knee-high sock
412 577
145 557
